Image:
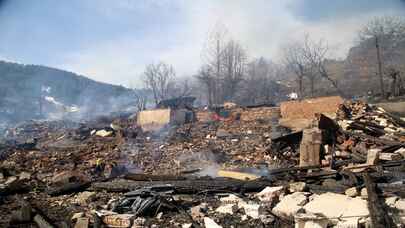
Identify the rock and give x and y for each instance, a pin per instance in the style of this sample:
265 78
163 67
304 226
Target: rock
209 223
251 209
400 205
104 133
186 225
390 201
297 187
84 198
222 133
373 156
232 203
363 193
11 180
159 215
269 194
352 192
199 211
290 204
350 222
227 209
266 219
63 177
337 205
308 220
25 176
82 223
77 215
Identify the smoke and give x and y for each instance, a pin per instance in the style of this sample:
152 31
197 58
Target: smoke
206 161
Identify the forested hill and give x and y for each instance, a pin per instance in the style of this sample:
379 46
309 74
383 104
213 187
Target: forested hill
31 91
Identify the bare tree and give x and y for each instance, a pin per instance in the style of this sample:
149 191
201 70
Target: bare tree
235 61
386 33
213 56
295 61
315 53
182 88
140 100
206 77
260 82
160 79
224 66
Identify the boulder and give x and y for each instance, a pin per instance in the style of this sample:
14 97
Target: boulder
290 204
104 133
222 133
400 205
11 180
269 194
210 223
84 198
352 192
63 177
334 205
25 176
227 209
198 211
82 223
390 201
308 220
233 202
298 187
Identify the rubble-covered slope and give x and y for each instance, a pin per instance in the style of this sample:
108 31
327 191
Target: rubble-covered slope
110 172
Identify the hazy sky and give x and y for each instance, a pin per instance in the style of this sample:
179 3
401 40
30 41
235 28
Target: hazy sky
113 40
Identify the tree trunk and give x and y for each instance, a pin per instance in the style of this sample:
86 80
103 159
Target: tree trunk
380 73
300 95
312 86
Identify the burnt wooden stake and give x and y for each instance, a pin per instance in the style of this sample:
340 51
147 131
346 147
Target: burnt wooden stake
378 214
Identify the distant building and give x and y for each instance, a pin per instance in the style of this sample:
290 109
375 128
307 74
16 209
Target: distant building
177 103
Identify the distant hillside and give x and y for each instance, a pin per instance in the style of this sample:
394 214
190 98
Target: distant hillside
361 67
30 91
357 74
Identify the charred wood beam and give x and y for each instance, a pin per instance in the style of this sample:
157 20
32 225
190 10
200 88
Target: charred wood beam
148 177
378 213
371 139
185 186
368 129
68 188
395 119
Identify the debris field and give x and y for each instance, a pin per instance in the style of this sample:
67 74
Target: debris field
229 167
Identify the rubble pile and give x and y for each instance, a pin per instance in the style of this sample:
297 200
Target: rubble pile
236 167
